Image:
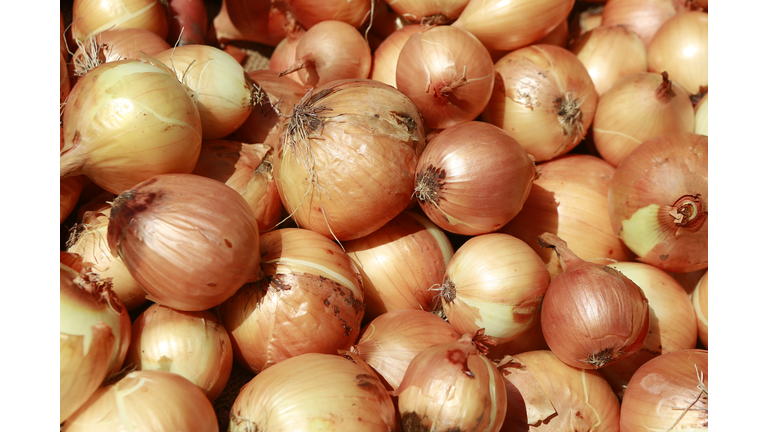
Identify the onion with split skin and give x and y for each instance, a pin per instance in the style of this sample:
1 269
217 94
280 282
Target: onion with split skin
94 16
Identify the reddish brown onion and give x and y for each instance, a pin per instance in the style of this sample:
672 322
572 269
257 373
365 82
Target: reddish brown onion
261 21
643 17
384 62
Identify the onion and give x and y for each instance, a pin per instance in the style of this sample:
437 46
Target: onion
90 242
531 339
508 25
609 53
70 190
701 116
546 395
114 44
313 392
447 73
452 386
309 13
192 344
309 299
64 85
575 333
558 36
371 126
147 401
584 21
329 51
643 17
428 12
399 263
544 98
637 108
391 340
90 17
658 201
680 48
127 121
473 178
95 331
700 305
496 282
285 53
669 392
187 22
261 21
63 48
384 62
672 321
570 199
190 241
225 95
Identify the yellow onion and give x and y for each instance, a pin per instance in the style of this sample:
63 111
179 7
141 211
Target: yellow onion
570 199
680 48
637 108
95 332
585 21
668 393
578 335
90 242
309 13
284 53
70 189
384 61
391 340
190 241
95 16
531 339
558 36
376 130
308 299
609 53
114 44
192 344
313 392
508 25
496 282
428 12
399 263
699 297
701 114
672 321
473 178
546 395
127 121
643 17
147 400
544 97
659 202
452 386
261 21
246 168
225 95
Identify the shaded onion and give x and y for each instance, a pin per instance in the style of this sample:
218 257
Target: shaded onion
701 114
261 21
699 297
70 189
680 48
187 21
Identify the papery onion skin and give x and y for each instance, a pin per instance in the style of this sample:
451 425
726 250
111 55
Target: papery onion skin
309 298
374 127
94 16
190 241
546 395
508 25
284 54
668 392
146 400
309 13
680 48
643 17
496 282
544 97
313 392
658 201
384 61
127 121
473 178
118 43
192 344
699 297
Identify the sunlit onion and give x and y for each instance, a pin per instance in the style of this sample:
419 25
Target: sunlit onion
680 48
95 16
384 62
118 43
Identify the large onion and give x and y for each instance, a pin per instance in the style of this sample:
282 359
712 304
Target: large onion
680 48
118 43
384 61
95 16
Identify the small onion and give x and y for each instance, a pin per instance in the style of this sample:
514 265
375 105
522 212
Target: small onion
575 333
126 121
118 43
643 17
149 400
394 338
384 61
190 241
637 108
546 395
658 201
701 115
452 386
609 53
309 12
669 392
680 48
90 17
699 297
309 299
496 282
313 392
261 21
544 97
473 178
447 73
192 344
428 12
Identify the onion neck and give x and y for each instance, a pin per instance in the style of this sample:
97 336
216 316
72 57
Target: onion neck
455 84
664 92
429 183
568 259
569 116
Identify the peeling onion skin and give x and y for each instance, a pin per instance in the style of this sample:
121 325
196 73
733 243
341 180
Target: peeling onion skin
658 201
546 395
95 16
309 299
313 392
190 241
573 331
